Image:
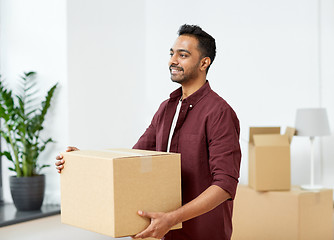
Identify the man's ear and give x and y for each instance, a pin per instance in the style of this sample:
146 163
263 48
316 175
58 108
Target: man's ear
205 63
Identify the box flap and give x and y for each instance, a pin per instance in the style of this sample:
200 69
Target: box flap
271 140
262 130
116 153
290 132
134 152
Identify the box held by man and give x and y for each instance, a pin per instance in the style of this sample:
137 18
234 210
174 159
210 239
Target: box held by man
102 191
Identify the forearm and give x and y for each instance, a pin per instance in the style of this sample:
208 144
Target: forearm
206 201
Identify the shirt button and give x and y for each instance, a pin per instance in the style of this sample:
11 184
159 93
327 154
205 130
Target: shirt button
191 106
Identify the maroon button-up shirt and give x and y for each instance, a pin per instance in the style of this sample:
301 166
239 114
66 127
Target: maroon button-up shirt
207 136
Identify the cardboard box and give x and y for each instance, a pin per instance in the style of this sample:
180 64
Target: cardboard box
295 214
269 158
102 191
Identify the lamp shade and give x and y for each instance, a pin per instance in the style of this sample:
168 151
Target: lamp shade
312 122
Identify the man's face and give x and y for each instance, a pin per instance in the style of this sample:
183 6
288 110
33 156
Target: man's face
185 59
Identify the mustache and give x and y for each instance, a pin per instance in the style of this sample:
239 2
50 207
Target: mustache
174 66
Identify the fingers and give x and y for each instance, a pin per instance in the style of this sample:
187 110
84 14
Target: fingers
143 234
70 149
148 232
60 168
59 165
160 224
145 214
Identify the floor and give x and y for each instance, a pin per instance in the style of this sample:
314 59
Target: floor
50 228
9 215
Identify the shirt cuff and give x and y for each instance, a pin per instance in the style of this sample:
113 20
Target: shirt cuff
228 184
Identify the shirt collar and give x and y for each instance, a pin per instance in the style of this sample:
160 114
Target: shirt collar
193 98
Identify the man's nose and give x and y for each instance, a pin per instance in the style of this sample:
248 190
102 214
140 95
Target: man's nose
173 60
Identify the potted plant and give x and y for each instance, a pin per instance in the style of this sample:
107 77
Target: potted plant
22 118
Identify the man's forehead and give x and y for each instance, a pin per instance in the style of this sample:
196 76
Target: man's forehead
185 43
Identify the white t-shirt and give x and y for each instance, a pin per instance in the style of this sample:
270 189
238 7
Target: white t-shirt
176 116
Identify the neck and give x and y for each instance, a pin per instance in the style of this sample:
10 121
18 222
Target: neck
191 87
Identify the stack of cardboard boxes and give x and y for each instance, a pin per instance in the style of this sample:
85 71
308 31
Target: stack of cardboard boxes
270 208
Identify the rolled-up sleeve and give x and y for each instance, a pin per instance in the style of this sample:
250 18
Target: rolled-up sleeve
224 150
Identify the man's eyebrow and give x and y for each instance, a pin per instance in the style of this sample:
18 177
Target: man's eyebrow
180 50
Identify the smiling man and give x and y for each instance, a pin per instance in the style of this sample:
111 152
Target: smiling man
200 125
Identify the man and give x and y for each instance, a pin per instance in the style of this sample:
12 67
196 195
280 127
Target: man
200 125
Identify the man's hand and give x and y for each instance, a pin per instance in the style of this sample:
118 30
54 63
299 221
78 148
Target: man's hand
60 163
161 223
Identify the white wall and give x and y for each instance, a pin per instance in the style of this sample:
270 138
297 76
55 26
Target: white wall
266 65
327 87
111 59
33 39
106 72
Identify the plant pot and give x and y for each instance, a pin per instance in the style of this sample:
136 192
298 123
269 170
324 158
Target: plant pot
27 192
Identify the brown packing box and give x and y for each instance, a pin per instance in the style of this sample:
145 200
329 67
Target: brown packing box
102 191
269 158
288 215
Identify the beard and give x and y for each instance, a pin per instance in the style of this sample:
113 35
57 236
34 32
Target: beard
182 76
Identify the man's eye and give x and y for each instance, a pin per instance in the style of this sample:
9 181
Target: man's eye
183 55
171 54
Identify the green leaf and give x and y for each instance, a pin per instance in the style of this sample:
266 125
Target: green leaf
42 148
29 74
31 112
44 166
7 155
21 103
3 113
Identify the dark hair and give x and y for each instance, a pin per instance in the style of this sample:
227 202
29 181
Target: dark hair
206 43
